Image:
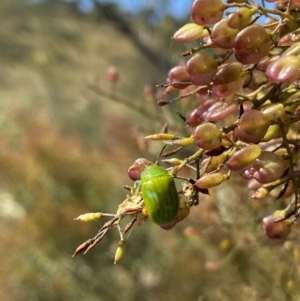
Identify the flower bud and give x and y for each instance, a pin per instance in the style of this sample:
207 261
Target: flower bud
173 161
89 217
161 137
273 110
182 142
211 180
188 33
273 132
120 251
260 193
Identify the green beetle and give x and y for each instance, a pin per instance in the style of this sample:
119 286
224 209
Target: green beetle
159 194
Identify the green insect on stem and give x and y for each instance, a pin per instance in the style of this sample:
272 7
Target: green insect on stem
159 194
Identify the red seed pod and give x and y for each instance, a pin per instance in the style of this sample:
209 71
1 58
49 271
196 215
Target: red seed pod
264 62
179 74
240 18
253 184
244 157
253 125
135 170
287 26
196 117
228 89
267 168
205 12
229 79
222 35
284 70
220 110
229 73
208 136
112 74
275 226
290 38
251 44
201 68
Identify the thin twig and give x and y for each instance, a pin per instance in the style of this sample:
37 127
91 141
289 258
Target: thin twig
122 100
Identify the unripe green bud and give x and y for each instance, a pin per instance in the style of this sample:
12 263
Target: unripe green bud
293 50
120 251
173 161
88 217
189 32
260 193
211 180
182 142
161 136
273 110
273 132
214 162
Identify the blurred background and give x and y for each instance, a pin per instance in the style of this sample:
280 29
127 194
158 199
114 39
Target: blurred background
67 137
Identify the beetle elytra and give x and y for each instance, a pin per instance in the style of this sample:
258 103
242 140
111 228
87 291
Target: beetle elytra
159 194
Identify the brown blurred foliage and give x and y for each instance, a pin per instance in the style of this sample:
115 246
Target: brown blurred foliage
64 152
